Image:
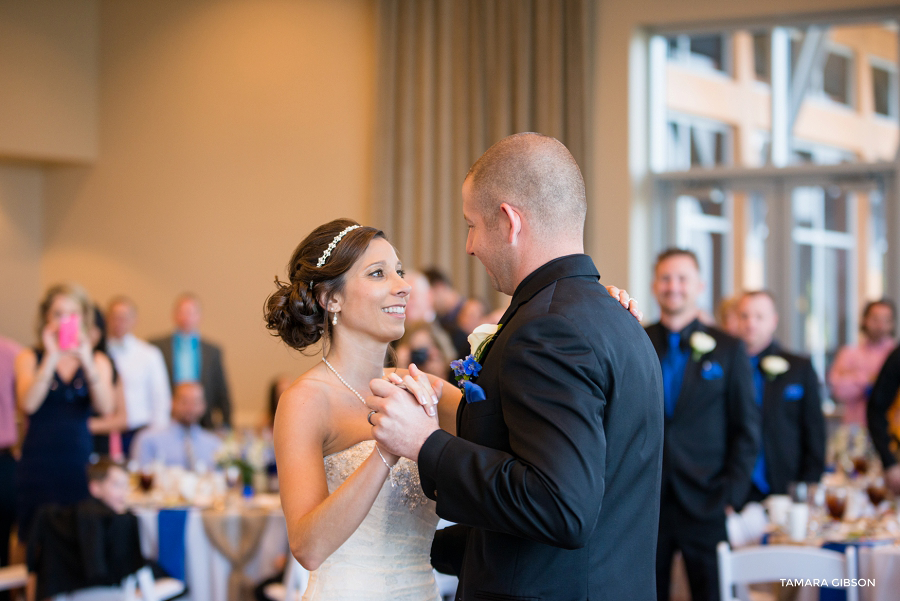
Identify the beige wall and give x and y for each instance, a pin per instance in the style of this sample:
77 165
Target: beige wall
227 131
21 189
48 80
619 206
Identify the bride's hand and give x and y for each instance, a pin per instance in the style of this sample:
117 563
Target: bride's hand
626 301
418 384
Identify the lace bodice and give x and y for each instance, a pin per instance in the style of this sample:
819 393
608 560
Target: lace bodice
388 557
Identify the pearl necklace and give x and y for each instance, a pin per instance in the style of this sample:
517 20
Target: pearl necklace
344 382
363 401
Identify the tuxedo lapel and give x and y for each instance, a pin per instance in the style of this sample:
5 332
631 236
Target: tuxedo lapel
564 267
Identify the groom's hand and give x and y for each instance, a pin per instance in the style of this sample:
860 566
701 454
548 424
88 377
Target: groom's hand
399 424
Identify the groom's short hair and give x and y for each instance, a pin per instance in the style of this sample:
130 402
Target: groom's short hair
534 173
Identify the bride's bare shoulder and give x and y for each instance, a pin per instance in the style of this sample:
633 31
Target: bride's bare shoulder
308 394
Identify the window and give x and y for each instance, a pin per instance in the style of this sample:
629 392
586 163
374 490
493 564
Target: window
824 245
762 56
884 87
837 81
704 226
783 186
709 52
698 142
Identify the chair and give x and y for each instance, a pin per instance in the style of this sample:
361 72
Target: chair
292 587
140 586
14 576
772 563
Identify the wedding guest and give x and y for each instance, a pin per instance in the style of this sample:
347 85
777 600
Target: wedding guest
148 397
94 543
855 367
107 429
884 395
447 300
9 436
712 427
428 346
787 394
191 358
471 315
727 318
279 384
58 383
183 442
420 304
447 304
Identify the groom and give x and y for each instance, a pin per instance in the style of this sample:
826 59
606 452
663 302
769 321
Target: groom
554 476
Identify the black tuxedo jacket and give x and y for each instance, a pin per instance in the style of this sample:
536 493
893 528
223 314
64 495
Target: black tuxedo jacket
555 475
212 377
713 436
793 426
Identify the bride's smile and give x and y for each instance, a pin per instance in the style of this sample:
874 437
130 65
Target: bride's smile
374 295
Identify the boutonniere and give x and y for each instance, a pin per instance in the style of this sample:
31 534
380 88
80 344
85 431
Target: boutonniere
468 368
774 365
701 344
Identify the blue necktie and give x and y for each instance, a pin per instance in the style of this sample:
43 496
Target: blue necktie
673 364
759 470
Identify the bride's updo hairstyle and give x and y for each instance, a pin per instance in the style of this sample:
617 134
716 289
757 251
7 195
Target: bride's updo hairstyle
293 312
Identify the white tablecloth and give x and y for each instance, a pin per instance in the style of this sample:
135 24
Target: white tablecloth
206 569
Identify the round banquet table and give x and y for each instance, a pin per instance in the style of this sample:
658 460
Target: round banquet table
207 569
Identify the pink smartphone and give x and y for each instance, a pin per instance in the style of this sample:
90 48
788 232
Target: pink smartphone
68 332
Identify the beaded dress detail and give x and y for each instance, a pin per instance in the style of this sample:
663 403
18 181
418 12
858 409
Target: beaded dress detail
388 557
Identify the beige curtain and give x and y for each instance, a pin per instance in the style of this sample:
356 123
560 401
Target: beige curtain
455 76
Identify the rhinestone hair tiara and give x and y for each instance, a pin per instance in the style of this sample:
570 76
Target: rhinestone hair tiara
334 243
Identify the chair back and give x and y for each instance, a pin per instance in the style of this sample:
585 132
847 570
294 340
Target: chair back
140 586
773 563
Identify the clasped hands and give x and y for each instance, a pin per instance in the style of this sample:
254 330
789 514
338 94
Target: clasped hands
405 411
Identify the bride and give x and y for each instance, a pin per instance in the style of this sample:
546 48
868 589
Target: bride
358 520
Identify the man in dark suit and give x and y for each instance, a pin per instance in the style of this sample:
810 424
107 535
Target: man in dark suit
884 394
787 393
190 358
554 475
712 427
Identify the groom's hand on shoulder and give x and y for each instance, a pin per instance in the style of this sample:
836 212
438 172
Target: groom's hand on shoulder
399 425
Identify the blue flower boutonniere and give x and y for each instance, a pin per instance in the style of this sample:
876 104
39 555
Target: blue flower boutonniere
466 369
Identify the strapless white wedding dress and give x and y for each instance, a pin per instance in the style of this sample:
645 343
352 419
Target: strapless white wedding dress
388 557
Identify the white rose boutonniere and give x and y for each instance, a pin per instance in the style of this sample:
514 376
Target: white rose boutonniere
701 344
479 337
466 369
774 366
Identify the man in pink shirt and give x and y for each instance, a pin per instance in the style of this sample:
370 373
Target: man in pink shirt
855 367
8 438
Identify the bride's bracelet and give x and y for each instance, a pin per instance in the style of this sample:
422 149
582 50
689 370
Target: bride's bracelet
387 465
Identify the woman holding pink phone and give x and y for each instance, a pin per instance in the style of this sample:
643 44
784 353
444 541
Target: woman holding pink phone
58 383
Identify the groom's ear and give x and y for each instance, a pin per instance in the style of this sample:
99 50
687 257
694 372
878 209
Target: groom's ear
513 219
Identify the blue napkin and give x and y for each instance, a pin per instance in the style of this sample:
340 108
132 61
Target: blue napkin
171 541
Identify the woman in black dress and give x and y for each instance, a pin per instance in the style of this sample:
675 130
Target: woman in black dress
56 389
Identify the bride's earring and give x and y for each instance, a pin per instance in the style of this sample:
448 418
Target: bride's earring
334 320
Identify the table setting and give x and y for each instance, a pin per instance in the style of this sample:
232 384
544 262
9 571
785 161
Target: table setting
219 530
849 506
